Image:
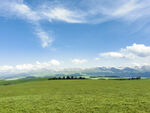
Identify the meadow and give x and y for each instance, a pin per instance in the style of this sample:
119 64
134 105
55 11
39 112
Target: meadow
75 96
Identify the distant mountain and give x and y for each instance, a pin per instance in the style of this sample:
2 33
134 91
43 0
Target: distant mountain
97 71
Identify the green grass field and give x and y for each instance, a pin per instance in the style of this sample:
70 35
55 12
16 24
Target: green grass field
76 96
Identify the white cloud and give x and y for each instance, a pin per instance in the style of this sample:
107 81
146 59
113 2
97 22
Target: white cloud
134 55
26 68
55 62
136 50
79 61
5 68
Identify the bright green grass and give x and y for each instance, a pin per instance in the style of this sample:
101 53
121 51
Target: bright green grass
76 96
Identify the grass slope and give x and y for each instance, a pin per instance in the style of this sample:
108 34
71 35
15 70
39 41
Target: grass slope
76 96
12 82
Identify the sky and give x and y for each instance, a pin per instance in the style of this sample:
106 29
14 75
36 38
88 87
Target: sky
46 34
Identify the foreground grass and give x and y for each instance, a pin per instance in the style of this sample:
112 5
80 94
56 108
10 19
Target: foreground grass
76 96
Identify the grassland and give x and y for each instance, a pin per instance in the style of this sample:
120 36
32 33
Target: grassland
76 96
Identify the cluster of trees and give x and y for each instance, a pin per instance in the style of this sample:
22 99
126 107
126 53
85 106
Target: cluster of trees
65 78
135 78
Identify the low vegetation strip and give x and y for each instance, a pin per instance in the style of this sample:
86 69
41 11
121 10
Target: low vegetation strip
19 81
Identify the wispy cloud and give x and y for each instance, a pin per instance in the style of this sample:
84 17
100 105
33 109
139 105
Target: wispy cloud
24 11
126 8
46 38
88 11
63 15
19 9
98 11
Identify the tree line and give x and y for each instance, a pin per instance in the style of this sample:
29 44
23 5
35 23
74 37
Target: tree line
66 78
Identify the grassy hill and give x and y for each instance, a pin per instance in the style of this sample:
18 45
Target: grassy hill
76 96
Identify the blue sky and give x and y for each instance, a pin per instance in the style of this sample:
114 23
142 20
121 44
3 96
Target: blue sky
73 33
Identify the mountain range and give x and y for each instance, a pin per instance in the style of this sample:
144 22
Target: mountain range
143 71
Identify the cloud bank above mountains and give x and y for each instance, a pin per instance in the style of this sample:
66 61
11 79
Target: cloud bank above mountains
136 55
28 68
